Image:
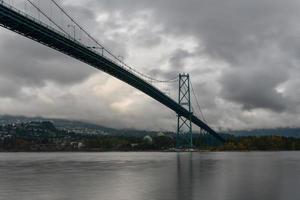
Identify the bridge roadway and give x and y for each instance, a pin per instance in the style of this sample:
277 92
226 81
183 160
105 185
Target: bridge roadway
29 27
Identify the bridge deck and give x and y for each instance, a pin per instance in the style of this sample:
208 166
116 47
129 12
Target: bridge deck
31 28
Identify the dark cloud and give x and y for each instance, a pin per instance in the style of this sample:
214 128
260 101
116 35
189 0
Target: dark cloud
177 59
27 63
254 88
147 38
8 88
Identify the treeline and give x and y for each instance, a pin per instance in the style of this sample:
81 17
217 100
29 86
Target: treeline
122 143
14 144
265 143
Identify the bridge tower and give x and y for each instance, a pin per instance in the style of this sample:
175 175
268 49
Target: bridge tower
184 137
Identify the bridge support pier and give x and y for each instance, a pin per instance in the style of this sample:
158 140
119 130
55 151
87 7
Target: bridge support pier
184 136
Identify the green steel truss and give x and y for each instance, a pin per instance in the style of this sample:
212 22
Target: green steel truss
184 136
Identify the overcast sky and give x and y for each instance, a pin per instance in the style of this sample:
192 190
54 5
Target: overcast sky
243 57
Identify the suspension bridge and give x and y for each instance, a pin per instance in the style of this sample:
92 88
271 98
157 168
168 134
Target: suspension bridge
48 23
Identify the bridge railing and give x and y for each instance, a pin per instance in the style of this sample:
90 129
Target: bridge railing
53 18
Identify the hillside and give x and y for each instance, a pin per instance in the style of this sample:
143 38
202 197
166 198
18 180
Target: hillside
285 132
77 126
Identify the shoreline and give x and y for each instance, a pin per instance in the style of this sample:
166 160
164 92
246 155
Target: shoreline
153 151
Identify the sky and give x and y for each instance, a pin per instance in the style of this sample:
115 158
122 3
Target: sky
242 57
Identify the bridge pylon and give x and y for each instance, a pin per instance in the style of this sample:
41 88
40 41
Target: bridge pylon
184 136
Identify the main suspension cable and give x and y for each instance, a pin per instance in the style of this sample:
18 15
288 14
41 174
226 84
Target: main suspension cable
110 53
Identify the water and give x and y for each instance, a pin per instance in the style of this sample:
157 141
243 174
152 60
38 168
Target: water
150 176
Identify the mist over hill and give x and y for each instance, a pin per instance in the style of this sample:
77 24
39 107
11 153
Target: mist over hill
285 132
90 128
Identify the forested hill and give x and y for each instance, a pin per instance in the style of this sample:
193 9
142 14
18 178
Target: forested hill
79 127
286 132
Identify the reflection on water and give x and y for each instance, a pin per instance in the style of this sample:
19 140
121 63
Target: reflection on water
157 176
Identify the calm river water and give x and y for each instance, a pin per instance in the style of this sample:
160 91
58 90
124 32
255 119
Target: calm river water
150 176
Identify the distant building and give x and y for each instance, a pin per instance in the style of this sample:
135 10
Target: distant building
148 139
161 134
